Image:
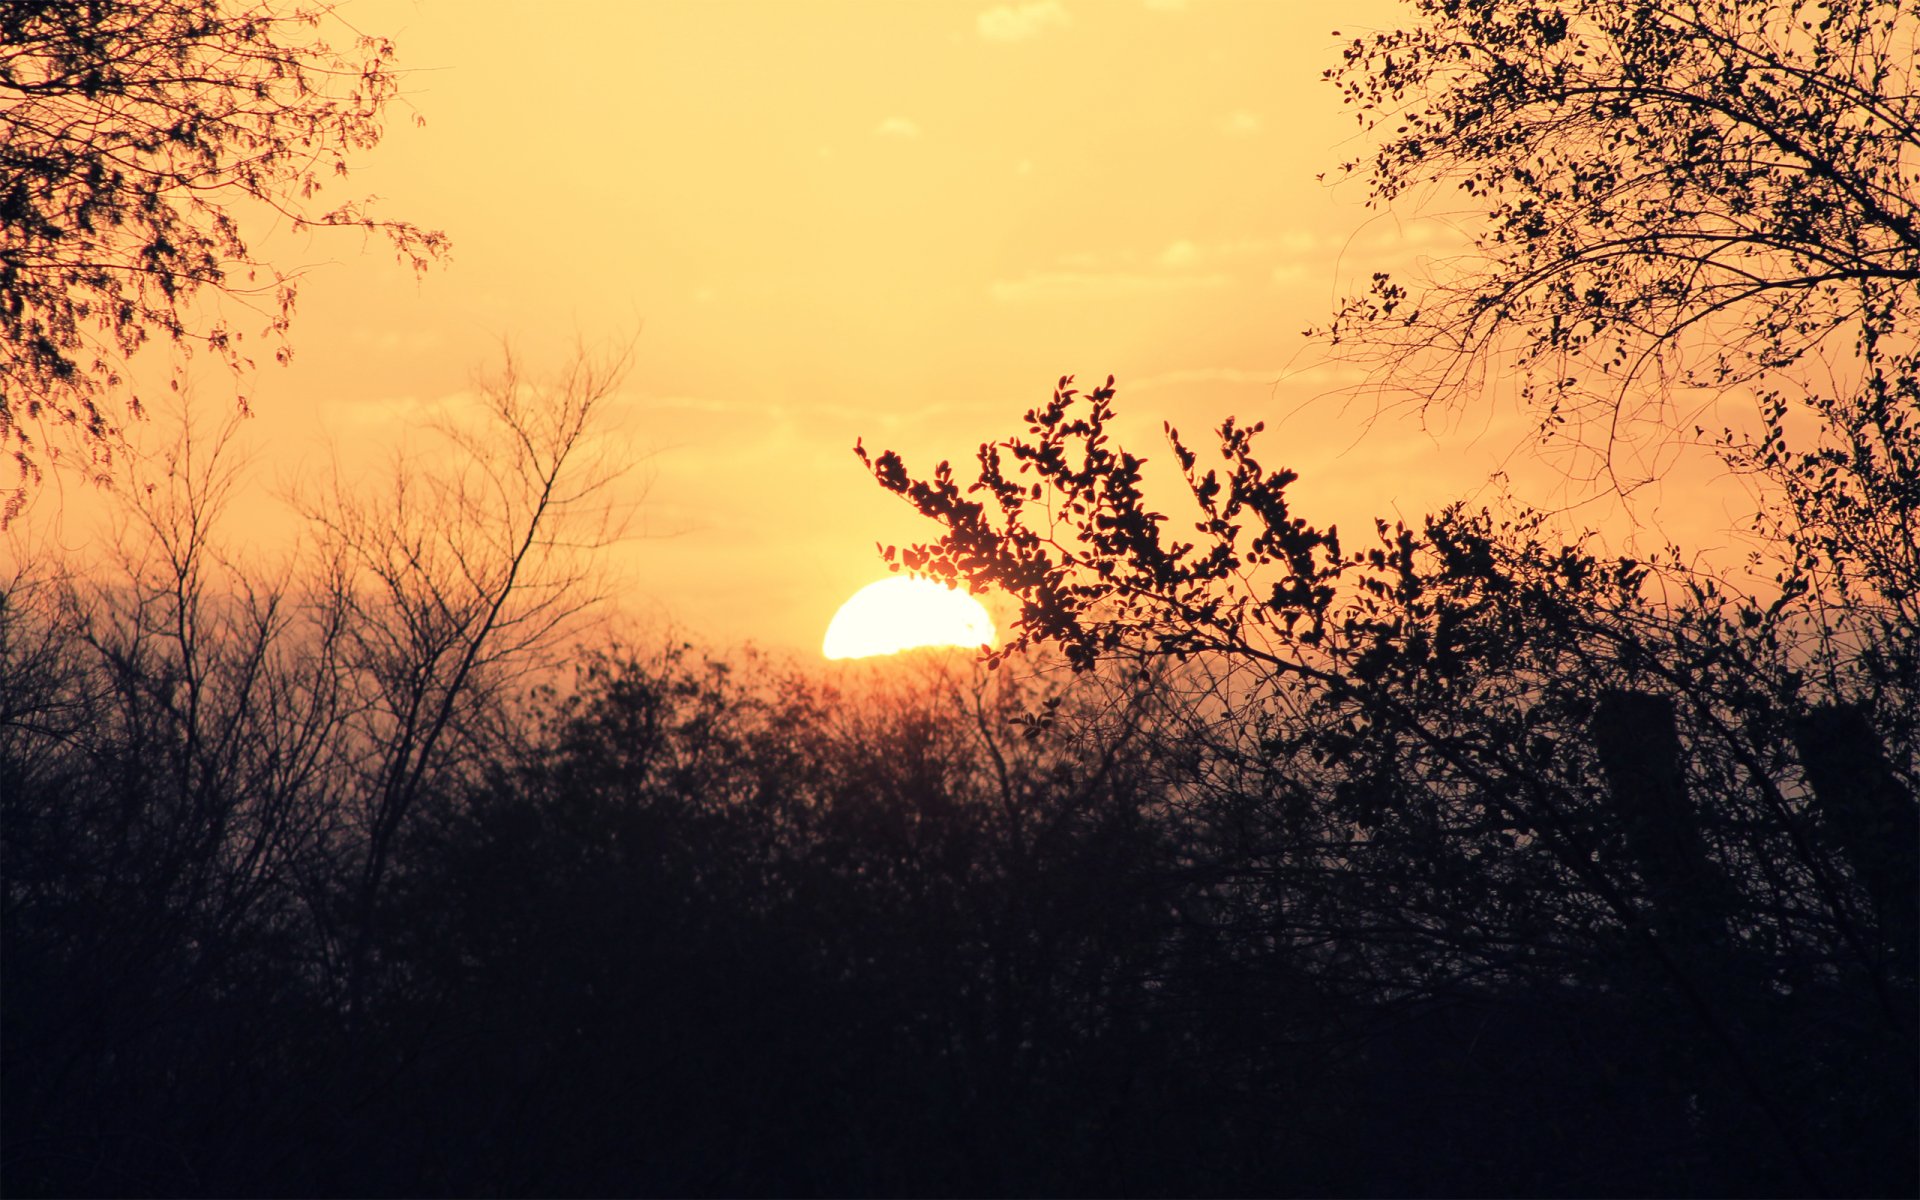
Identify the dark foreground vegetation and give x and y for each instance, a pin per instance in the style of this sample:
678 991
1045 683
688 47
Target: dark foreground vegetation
698 929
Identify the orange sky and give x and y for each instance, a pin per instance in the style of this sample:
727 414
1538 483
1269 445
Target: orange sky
896 221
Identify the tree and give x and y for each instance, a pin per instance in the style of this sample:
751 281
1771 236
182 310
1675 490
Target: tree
1472 763
207 766
1668 201
466 580
1663 196
167 760
143 140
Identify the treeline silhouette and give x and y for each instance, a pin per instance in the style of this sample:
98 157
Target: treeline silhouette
311 894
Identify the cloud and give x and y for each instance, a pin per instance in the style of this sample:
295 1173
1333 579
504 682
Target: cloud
386 337
1182 258
897 127
1268 377
1180 254
1079 285
1187 376
1240 124
1184 254
1009 23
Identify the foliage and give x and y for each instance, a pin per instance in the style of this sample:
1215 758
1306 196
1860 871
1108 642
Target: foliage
1668 200
1470 761
780 935
1844 529
1472 765
1663 196
143 139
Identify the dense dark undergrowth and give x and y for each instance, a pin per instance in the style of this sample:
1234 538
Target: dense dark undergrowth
688 926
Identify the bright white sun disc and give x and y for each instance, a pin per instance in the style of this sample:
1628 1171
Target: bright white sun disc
904 612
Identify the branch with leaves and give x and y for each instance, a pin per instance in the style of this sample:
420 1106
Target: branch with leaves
1660 196
136 136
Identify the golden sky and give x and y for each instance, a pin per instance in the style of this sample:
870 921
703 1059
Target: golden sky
898 221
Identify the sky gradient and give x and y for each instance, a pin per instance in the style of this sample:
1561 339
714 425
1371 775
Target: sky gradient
826 221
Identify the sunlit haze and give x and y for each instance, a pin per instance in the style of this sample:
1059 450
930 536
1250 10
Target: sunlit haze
818 222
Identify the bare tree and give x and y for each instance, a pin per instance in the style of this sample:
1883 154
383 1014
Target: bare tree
206 763
464 582
171 750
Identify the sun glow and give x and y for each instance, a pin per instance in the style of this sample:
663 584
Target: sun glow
902 613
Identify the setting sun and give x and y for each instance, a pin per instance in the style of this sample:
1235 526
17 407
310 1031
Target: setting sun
902 613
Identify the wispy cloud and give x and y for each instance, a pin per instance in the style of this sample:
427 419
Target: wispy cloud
1187 376
1018 23
1079 285
1184 254
1180 254
1271 377
897 127
1240 123
1083 259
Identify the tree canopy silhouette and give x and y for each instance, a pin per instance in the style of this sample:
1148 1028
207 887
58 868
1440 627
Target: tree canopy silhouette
1660 196
1472 761
140 142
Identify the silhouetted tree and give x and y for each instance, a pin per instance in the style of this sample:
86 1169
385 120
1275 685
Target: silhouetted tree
137 136
169 752
463 581
205 767
1666 200
1468 763
1662 197
1672 199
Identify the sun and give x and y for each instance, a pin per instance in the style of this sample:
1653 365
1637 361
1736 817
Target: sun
903 612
